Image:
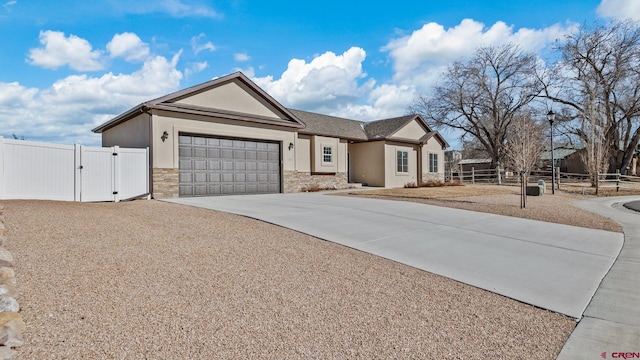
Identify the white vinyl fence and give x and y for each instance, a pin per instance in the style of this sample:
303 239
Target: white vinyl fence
34 170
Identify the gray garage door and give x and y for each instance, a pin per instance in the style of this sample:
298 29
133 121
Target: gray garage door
218 166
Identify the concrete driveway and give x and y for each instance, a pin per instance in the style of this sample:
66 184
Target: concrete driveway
552 266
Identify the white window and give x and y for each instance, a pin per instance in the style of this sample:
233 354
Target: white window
433 163
402 161
327 154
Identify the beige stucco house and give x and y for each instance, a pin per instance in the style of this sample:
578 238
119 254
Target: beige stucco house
228 136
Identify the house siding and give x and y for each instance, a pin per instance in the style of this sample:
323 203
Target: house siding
394 178
432 147
368 163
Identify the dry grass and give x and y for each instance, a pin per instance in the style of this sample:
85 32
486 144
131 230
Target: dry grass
503 200
442 192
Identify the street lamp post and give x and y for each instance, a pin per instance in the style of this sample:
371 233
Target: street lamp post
551 116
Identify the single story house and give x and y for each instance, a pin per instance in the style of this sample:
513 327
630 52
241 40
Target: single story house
569 159
228 136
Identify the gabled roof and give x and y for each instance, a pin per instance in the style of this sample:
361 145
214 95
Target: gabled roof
169 103
325 125
382 129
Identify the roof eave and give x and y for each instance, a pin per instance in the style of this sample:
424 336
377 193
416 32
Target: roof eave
128 115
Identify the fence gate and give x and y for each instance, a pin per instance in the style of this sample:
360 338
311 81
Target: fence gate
32 170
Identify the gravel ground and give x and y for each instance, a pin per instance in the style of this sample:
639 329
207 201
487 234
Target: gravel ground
154 280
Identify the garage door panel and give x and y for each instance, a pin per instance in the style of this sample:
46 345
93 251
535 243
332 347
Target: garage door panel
218 166
200 177
185 177
215 165
199 152
200 190
239 154
213 152
227 177
226 154
226 189
185 165
186 190
199 164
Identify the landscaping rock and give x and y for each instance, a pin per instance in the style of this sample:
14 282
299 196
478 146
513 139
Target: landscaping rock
7 353
2 240
5 255
6 290
3 230
11 333
7 273
8 303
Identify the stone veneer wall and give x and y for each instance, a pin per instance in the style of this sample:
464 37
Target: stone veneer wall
165 183
296 181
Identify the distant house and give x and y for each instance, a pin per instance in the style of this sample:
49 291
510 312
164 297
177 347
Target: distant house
228 136
567 158
475 164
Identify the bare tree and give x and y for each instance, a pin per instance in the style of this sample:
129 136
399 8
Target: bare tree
481 96
597 82
525 144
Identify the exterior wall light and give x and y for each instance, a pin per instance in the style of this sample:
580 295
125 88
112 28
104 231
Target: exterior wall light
164 136
290 146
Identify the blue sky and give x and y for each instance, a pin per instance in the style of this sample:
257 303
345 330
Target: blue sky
68 66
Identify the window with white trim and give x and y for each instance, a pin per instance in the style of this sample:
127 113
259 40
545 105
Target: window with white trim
433 163
327 155
402 161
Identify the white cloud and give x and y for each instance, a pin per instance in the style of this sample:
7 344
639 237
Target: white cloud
434 46
326 81
241 57
66 111
59 51
619 9
9 4
196 68
129 46
181 9
198 47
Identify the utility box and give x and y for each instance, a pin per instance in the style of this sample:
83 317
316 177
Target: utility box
534 190
543 186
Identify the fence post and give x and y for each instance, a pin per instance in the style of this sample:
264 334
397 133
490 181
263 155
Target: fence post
597 182
499 177
77 178
473 175
117 186
617 180
558 178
